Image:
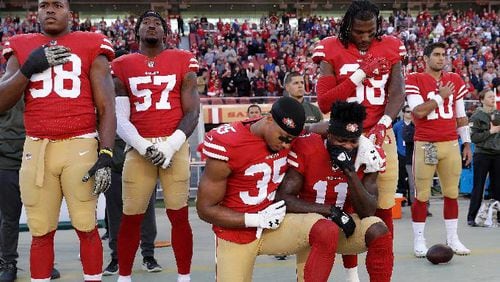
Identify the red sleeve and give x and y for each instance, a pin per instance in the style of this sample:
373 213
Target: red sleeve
297 156
217 143
460 87
328 91
411 86
104 46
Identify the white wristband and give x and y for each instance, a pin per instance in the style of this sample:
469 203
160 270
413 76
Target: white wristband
438 99
386 121
252 220
357 77
464 133
177 139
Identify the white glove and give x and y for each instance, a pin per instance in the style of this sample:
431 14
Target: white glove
369 156
170 146
268 218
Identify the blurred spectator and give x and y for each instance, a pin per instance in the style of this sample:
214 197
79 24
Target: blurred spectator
294 86
254 111
242 83
486 137
202 82
403 186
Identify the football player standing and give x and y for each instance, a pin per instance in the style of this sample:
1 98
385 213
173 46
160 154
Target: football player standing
157 108
65 78
436 100
363 65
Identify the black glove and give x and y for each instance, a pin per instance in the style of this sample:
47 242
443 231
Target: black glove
154 155
341 157
343 220
44 57
102 172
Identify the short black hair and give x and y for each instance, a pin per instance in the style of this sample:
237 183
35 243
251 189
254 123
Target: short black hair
429 48
150 13
363 10
254 106
290 75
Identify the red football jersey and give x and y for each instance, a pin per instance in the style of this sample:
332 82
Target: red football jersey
154 88
59 100
322 183
439 125
256 173
346 61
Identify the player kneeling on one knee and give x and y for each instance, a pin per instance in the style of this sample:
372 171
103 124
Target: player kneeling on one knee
336 178
246 161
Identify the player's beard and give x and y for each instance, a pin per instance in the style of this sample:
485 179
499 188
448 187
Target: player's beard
151 40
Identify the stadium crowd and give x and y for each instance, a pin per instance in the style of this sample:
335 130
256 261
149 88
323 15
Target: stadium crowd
246 59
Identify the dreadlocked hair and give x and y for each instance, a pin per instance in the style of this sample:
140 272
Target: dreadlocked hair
150 13
347 112
363 10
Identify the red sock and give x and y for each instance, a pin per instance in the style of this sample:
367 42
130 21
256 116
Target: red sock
450 208
323 239
182 239
350 261
128 242
418 211
386 216
380 259
90 252
42 256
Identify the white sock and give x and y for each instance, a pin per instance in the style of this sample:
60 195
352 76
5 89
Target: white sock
418 230
184 278
351 274
124 278
451 229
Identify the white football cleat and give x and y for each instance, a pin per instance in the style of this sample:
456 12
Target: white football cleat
419 248
458 248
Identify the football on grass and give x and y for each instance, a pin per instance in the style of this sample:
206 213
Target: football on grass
439 253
